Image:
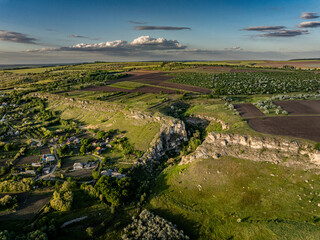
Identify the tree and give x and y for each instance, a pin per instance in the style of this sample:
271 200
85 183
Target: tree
7 147
90 232
83 149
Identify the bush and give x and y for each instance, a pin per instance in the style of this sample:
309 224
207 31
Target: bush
149 226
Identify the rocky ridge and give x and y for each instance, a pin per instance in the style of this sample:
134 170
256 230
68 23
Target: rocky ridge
274 150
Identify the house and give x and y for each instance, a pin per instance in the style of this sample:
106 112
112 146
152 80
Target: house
37 164
48 158
28 172
100 150
46 170
77 165
111 173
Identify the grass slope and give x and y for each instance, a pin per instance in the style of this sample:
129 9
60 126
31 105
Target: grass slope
140 132
231 198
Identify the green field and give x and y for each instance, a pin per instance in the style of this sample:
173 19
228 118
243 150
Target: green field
230 198
139 131
69 161
127 85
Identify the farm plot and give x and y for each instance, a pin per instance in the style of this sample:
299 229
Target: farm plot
69 161
307 127
300 106
148 77
266 83
28 160
145 89
248 110
204 80
29 205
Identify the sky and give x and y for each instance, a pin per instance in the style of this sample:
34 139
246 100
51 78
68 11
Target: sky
69 31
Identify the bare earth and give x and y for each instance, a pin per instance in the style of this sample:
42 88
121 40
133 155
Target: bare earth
300 106
307 127
248 110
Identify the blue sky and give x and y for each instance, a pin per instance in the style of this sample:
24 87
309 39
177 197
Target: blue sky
43 31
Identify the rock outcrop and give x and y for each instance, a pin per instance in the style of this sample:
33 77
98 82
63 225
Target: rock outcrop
198 119
274 150
170 137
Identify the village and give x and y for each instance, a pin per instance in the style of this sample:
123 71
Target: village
52 149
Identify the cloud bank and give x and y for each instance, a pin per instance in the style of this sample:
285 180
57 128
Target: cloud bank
285 33
136 22
309 25
276 31
265 28
166 28
142 43
16 37
309 15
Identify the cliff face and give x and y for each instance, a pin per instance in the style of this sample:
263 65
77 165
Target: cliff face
172 134
256 149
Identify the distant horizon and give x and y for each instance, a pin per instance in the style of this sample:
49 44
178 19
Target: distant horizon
98 61
44 31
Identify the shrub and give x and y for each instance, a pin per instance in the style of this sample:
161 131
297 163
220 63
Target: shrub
149 226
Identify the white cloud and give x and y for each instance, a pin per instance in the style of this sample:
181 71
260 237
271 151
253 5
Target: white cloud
309 15
142 43
309 24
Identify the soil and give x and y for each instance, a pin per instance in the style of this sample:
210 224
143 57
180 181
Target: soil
144 89
153 78
300 106
248 110
307 127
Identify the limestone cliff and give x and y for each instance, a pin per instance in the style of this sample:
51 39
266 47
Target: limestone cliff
172 134
274 150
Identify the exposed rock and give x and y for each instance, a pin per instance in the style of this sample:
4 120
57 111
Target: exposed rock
196 119
172 134
255 148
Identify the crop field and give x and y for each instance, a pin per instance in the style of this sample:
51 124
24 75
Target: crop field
307 127
300 106
127 85
144 89
196 79
266 83
303 120
247 110
29 205
69 161
229 198
28 160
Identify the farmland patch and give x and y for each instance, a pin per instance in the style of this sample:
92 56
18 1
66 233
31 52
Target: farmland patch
300 106
307 127
247 110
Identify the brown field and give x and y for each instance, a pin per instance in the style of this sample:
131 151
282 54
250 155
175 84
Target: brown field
44 150
185 87
248 110
29 205
303 120
300 106
79 173
307 127
145 89
296 64
158 79
28 160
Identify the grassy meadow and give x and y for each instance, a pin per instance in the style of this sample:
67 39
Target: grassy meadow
231 198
